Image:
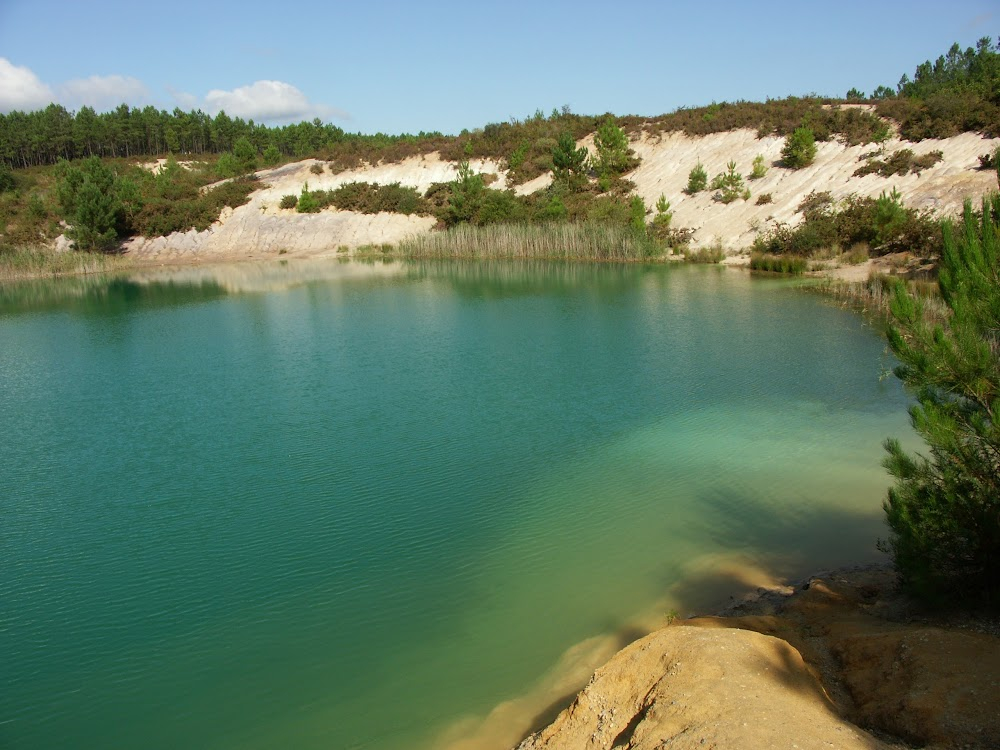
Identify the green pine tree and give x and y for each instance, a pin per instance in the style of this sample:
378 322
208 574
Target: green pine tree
569 163
944 508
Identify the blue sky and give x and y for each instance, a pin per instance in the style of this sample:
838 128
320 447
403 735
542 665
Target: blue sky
406 66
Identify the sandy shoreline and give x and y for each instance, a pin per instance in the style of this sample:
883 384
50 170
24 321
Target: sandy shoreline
839 657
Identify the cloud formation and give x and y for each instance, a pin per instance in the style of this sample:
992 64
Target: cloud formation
269 101
263 101
102 92
21 89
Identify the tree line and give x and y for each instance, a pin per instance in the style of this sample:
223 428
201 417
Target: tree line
43 137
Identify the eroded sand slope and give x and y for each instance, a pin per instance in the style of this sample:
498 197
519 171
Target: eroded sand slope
261 228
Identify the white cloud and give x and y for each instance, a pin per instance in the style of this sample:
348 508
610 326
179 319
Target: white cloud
268 101
102 92
21 89
263 101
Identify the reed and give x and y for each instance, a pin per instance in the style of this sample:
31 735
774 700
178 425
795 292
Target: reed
874 294
586 241
788 264
29 263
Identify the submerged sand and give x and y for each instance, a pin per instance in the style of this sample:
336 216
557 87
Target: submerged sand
841 660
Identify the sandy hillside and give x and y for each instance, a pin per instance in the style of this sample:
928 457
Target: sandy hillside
667 160
261 228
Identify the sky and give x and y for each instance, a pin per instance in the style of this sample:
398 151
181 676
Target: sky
393 67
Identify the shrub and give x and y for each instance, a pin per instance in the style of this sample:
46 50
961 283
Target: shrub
899 163
759 168
944 509
288 201
710 255
800 148
697 180
764 198
884 224
316 169
183 206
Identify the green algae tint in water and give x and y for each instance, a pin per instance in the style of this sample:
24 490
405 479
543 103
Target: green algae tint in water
338 505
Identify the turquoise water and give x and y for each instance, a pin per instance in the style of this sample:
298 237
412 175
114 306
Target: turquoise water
335 505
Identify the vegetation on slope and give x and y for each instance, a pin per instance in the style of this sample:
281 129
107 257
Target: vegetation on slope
880 226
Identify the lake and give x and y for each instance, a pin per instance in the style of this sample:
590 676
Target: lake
321 504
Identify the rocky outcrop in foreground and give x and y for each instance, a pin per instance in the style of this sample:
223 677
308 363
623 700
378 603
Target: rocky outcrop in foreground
843 662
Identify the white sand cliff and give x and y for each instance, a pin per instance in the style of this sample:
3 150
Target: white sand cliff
261 228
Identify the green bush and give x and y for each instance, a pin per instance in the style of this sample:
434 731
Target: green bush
900 162
944 508
708 255
759 168
316 169
288 201
800 148
697 180
177 207
884 224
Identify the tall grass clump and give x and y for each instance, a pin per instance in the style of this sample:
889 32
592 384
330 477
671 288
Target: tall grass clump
874 295
707 255
584 241
29 263
787 264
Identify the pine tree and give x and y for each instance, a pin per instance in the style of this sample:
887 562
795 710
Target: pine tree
799 149
697 180
614 157
569 163
944 509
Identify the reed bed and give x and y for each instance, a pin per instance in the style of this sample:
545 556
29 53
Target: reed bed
787 264
874 295
587 241
29 263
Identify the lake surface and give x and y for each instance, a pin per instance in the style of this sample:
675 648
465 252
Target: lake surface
339 505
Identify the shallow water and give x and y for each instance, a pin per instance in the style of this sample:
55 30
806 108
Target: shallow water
333 504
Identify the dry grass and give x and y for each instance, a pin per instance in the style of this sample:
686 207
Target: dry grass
31 263
874 295
587 241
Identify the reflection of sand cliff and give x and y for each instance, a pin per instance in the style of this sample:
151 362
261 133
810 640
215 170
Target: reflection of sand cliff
261 228
270 276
